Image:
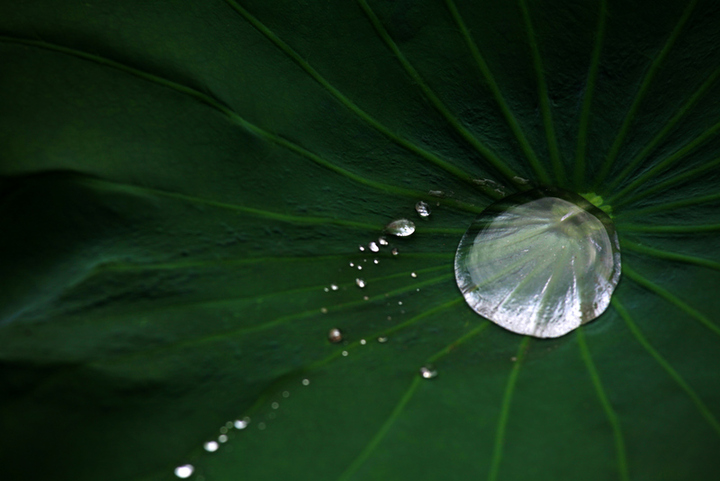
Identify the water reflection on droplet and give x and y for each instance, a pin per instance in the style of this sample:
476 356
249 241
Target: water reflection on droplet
423 209
184 471
539 263
211 446
335 335
345 353
400 227
428 372
360 282
373 247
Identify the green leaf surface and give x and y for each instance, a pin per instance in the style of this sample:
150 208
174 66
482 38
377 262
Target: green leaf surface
180 182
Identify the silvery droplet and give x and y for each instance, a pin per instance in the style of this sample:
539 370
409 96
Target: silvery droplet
373 247
240 424
362 248
413 274
363 341
184 471
428 372
345 353
382 241
352 264
334 287
223 438
306 382
400 227
326 289
539 263
335 336
382 339
360 282
423 209
211 446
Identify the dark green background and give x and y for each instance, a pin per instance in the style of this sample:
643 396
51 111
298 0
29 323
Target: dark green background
179 182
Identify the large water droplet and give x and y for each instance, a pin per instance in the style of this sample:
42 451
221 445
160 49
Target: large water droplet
401 227
540 263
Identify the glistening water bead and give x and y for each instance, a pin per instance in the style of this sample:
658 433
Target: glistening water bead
540 263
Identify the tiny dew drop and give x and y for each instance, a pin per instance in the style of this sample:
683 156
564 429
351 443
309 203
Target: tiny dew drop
241 423
382 339
395 251
360 282
223 438
428 372
413 274
334 335
382 241
334 287
211 446
539 263
423 209
400 227
373 247
184 471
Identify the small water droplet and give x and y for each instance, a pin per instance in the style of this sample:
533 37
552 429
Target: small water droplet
375 261
366 298
223 438
363 342
413 274
395 251
423 209
352 264
326 289
306 382
359 268
286 394
241 423
399 303
437 193
275 405
324 310
382 339
362 248
428 372
400 227
373 247
223 430
344 353
539 263
334 287
360 282
184 471
211 446
382 241
521 180
334 335
261 426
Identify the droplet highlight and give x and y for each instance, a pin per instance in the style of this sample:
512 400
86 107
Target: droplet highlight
184 471
428 372
539 263
373 247
400 227
211 446
360 283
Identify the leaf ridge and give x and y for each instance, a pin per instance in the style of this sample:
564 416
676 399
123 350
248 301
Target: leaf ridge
671 256
704 411
349 104
494 160
400 406
543 94
640 95
505 410
581 151
497 94
620 451
672 299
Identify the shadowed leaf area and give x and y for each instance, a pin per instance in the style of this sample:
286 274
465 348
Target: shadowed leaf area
181 183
